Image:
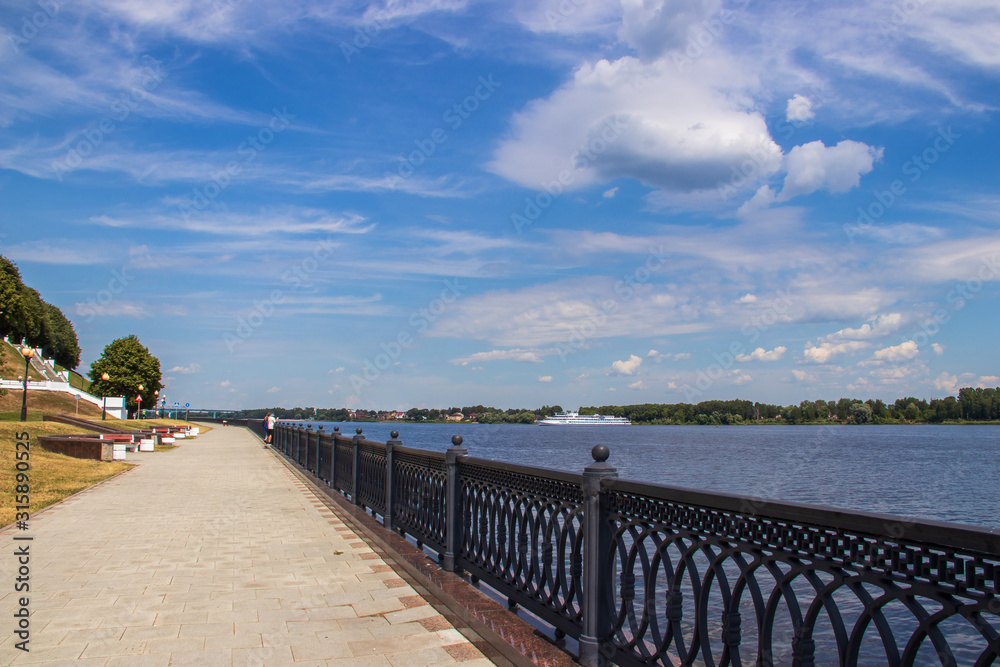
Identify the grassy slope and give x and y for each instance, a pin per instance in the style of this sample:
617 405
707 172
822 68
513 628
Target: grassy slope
51 402
12 364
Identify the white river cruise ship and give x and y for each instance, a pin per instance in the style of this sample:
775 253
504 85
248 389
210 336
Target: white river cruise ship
576 419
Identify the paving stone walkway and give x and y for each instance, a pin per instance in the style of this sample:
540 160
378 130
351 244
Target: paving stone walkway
213 554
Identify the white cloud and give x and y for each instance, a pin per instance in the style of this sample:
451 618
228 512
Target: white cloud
938 348
638 384
657 357
905 233
194 367
747 298
682 355
113 308
545 378
901 352
950 384
568 18
628 366
837 169
655 27
760 354
799 109
610 194
225 383
802 376
877 327
679 132
516 354
946 383
273 390
824 352
761 200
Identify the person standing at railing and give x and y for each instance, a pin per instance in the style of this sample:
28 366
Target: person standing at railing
269 421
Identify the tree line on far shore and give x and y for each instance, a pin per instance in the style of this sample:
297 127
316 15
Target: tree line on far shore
26 318
972 404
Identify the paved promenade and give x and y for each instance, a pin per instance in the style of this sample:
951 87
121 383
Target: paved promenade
213 554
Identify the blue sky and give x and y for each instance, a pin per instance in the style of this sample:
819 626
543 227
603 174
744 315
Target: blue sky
452 202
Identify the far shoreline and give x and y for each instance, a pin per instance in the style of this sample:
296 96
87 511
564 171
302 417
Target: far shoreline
770 423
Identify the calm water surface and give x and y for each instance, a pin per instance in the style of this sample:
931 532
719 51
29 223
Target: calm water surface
949 473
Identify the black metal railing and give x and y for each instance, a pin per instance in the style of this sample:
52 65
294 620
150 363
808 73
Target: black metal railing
646 574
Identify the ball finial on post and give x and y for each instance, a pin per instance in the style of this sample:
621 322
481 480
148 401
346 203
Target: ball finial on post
600 453
394 434
359 431
456 440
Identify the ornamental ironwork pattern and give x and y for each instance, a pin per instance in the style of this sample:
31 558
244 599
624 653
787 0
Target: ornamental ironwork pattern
419 491
372 462
523 536
343 478
700 585
312 442
325 451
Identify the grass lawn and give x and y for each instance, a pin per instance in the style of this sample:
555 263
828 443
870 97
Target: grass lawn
53 476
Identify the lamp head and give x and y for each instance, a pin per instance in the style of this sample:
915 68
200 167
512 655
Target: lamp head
105 377
27 352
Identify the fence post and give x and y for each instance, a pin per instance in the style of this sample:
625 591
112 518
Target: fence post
316 467
357 467
453 529
389 478
304 459
596 577
333 457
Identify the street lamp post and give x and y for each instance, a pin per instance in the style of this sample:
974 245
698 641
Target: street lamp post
138 400
28 354
104 397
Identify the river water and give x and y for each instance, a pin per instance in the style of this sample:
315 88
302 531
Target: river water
948 473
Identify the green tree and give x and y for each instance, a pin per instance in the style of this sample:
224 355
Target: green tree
36 325
63 346
128 364
12 312
861 413
912 412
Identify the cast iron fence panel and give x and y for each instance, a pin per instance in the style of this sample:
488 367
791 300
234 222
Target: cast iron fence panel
300 454
419 495
344 473
372 461
711 579
312 442
325 451
523 536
